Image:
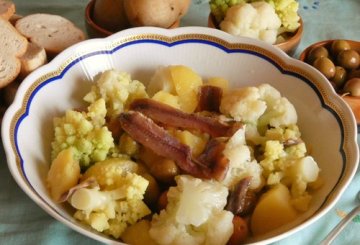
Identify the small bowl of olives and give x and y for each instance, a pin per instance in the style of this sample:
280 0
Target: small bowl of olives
339 62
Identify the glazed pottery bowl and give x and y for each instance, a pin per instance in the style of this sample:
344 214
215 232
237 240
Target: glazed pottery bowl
289 46
352 101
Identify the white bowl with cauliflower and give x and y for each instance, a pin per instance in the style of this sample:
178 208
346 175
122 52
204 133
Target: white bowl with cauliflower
187 136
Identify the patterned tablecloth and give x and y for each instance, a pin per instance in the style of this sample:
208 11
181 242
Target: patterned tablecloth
23 222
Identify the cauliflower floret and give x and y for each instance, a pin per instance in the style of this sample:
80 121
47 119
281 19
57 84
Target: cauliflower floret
218 8
279 112
296 151
273 150
243 104
289 166
262 106
109 173
125 213
256 20
117 89
117 202
240 163
274 157
304 170
194 214
289 133
84 131
161 81
287 10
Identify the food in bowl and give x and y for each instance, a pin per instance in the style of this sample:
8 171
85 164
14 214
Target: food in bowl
339 61
105 17
217 155
27 129
271 21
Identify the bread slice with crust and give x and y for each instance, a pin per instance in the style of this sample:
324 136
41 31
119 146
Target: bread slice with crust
12 46
53 32
7 9
34 57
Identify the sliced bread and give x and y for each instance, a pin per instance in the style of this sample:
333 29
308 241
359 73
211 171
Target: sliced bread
7 9
9 69
12 46
34 57
53 32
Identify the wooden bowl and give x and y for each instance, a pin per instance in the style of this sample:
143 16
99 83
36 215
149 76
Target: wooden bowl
352 101
94 30
289 46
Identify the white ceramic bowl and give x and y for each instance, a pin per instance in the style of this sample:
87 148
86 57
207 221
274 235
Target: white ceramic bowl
327 124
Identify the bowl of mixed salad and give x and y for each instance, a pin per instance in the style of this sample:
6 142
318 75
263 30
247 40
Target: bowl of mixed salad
143 133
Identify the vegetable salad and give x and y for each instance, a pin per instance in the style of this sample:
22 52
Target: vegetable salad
183 160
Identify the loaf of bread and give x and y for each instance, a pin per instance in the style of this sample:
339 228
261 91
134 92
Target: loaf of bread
7 9
53 32
12 46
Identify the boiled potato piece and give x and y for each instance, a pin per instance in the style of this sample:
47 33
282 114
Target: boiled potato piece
167 98
152 192
158 13
64 173
138 234
186 83
196 143
273 210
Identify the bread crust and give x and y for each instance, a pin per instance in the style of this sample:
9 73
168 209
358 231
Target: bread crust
34 57
12 46
7 9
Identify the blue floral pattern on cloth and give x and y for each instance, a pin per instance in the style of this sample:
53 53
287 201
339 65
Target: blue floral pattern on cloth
315 5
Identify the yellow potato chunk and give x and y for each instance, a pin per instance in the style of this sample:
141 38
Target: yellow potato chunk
109 173
138 234
64 173
219 82
167 98
273 210
186 83
195 142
